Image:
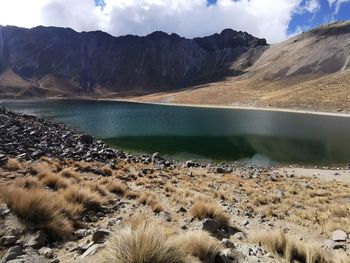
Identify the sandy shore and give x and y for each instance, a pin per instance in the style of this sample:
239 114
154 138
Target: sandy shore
238 107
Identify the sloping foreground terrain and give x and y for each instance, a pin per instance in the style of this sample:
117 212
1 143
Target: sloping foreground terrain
309 71
133 209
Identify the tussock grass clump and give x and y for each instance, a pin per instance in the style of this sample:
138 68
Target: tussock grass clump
13 164
39 208
132 195
116 187
83 196
70 173
53 181
107 171
198 244
28 183
293 250
151 200
100 189
140 243
206 208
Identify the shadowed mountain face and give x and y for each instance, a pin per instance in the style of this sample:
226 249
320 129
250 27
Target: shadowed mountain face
46 61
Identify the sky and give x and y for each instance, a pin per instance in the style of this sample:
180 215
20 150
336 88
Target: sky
275 20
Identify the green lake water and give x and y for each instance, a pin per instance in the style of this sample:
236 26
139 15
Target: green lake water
204 133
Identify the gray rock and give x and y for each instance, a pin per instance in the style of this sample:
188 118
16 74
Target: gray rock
12 253
165 216
189 163
92 250
210 225
8 240
46 252
228 243
339 236
221 258
37 240
239 235
80 233
100 235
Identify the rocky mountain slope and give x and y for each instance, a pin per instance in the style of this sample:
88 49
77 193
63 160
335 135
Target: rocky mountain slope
308 71
51 62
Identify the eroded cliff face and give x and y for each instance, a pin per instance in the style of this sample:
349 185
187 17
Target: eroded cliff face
88 62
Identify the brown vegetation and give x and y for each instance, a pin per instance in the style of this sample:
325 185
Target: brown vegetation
139 243
39 208
206 208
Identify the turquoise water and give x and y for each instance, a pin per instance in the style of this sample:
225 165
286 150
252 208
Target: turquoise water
204 133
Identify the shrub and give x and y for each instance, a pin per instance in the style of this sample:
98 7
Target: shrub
13 164
117 188
39 208
84 197
144 242
69 173
198 244
28 183
206 208
53 181
293 250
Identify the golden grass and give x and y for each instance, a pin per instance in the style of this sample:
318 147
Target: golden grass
28 183
198 244
141 243
83 196
39 208
13 165
116 187
132 195
70 173
151 200
293 250
53 181
207 208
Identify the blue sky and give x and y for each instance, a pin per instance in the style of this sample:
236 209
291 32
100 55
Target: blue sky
275 20
325 14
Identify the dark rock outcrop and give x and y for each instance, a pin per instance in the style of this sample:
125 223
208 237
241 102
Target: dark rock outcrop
52 58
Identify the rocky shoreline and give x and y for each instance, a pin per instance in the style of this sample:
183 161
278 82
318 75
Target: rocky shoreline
27 137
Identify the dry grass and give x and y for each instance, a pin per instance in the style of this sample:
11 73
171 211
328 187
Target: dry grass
293 250
116 187
206 208
151 200
140 243
83 196
53 181
28 183
132 195
70 173
39 208
198 244
13 165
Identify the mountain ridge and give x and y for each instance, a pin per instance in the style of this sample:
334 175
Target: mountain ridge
96 62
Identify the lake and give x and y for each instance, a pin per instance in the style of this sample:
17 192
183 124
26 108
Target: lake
219 134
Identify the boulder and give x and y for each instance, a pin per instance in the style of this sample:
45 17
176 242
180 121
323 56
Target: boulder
12 254
8 240
100 235
46 252
339 236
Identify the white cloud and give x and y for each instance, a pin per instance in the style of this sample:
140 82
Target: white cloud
189 18
337 4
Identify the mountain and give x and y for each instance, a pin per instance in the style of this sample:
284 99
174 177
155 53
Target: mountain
309 71
59 62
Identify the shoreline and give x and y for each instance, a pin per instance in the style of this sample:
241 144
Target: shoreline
208 106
